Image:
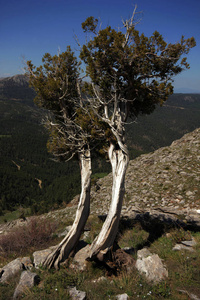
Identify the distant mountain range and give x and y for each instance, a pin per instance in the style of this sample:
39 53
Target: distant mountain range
186 91
22 80
16 88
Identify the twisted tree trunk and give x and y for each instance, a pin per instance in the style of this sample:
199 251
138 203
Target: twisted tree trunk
63 250
104 241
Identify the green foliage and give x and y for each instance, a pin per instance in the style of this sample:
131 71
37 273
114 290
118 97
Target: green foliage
162 290
58 280
138 69
7 291
55 81
90 24
133 238
180 235
57 90
94 224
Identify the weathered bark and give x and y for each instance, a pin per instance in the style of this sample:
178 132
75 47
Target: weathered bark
63 250
104 241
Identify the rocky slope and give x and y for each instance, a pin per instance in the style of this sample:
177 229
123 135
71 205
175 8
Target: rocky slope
168 178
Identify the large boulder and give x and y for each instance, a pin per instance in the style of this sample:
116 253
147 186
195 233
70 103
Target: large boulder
27 280
15 266
151 266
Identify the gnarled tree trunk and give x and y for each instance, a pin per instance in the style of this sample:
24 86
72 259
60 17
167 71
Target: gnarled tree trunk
104 241
63 250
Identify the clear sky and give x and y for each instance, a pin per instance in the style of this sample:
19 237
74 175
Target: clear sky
30 28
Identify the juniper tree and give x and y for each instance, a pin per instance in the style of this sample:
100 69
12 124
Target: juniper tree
130 75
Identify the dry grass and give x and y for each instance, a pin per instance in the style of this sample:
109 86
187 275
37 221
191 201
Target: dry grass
35 234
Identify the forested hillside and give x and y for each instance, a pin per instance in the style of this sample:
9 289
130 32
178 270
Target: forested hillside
179 115
28 175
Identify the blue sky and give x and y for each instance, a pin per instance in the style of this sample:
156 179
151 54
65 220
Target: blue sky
30 28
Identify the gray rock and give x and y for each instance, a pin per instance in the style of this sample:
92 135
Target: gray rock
79 261
15 266
65 232
76 295
151 266
100 279
27 263
189 243
40 256
190 295
179 247
122 297
143 253
27 280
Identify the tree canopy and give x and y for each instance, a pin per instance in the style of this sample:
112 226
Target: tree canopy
128 66
127 71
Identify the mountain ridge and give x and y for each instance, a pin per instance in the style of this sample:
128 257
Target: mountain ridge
24 77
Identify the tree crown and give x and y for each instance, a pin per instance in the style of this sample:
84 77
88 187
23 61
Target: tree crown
139 70
129 73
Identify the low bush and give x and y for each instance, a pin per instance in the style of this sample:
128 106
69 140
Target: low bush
36 233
